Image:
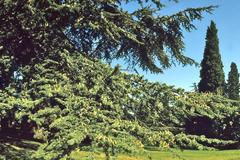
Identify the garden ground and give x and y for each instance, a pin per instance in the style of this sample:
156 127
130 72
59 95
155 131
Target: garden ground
18 148
173 155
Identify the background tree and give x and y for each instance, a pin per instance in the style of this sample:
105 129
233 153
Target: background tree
233 82
195 87
212 75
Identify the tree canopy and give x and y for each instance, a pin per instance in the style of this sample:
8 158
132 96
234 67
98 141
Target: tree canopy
30 29
52 88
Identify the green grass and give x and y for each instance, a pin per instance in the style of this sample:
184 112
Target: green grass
19 149
197 155
175 155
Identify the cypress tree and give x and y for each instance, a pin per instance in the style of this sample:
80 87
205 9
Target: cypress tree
233 82
211 74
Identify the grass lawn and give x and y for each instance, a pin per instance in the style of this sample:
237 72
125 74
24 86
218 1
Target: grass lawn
176 155
197 155
19 149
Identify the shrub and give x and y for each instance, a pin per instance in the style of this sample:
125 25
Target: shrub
194 142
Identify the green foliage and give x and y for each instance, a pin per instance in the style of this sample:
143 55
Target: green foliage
194 142
184 142
212 75
67 105
30 29
211 115
67 101
233 82
71 102
71 106
16 148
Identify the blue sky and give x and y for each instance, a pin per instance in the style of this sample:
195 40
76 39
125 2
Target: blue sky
227 18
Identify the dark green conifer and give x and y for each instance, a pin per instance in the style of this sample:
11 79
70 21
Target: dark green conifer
233 82
212 75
